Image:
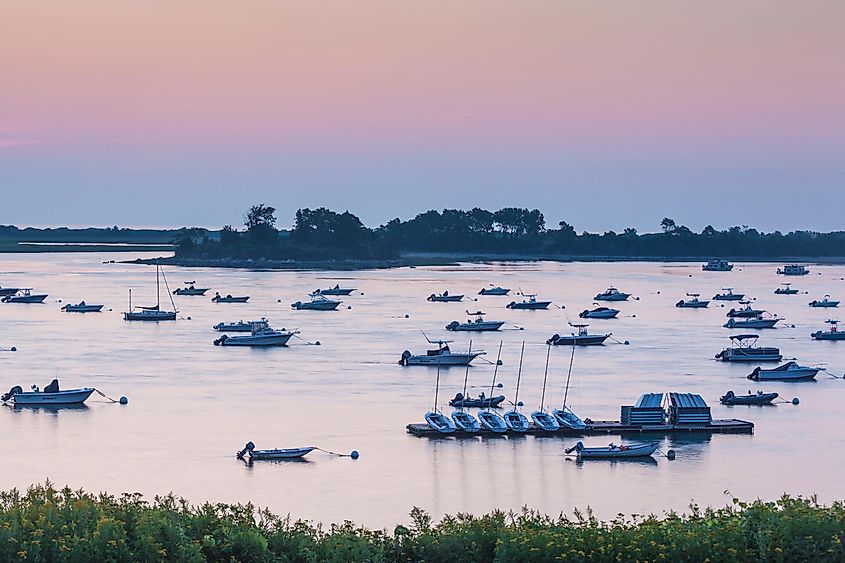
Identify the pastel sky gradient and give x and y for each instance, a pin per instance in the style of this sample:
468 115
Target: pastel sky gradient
603 114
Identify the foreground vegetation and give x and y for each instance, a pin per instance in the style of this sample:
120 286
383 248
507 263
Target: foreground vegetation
46 524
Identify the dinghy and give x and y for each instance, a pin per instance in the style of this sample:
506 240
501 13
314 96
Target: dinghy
336 290
478 324
790 371
442 355
229 298
759 398
530 304
494 290
542 419
694 303
785 290
190 289
152 313
582 338
481 402
273 455
444 297
82 307
317 303
833 334
514 419
728 295
825 302
51 395
612 294
612 451
599 313
25 296
744 349
461 418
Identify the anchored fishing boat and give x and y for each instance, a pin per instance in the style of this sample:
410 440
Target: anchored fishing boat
694 303
82 307
612 294
753 323
494 290
152 313
793 270
229 298
514 419
51 395
190 289
542 418
599 313
825 302
239 326
444 297
728 295
24 295
318 303
833 334
785 290
273 455
758 398
612 451
746 311
717 266
530 303
261 334
441 356
478 324
336 290
581 338
790 371
744 349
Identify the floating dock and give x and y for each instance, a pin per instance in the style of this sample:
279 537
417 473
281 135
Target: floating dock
601 427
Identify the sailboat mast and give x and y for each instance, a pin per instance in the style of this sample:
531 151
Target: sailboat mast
495 371
519 376
466 375
545 377
437 387
158 291
568 376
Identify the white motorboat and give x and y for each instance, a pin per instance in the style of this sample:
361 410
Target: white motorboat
275 454
229 298
25 295
190 289
793 270
729 295
785 290
833 334
82 307
260 335
336 290
317 303
239 326
529 303
790 371
694 303
152 313
440 356
747 311
51 395
445 297
756 322
599 313
581 338
612 294
718 266
825 302
478 324
494 290
612 451
744 349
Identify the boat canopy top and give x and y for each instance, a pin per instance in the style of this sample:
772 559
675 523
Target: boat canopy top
687 400
647 400
744 336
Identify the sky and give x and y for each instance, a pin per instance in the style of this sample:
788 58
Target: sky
603 114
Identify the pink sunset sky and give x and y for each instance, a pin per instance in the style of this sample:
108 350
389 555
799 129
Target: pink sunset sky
603 114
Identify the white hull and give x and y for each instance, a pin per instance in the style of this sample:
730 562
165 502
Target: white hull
82 308
69 397
442 360
477 327
280 339
150 316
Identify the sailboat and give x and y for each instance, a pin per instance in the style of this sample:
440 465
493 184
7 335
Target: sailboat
462 419
515 420
436 419
564 414
541 418
152 313
489 419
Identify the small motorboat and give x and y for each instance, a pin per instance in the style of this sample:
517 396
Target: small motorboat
530 303
568 419
51 395
229 298
744 349
599 313
612 294
273 455
757 322
758 398
440 422
790 371
239 326
793 270
785 290
825 302
492 422
441 356
465 421
261 334
6 291
25 295
694 303
833 334
746 311
82 307
478 324
190 289
581 338
545 421
612 451
516 421
494 290
717 266
728 295
444 297
481 402
336 290
318 303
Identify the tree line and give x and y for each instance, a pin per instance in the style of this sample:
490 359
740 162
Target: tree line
320 234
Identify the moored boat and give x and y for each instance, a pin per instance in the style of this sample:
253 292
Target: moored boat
481 402
317 303
82 307
238 326
833 334
720 265
444 297
747 311
492 421
581 338
530 303
260 335
728 295
494 290
336 290
753 323
793 270
758 398
785 290
229 298
440 356
478 324
152 313
790 371
273 455
190 289
694 303
825 302
612 294
612 451
744 349
25 295
51 395
599 313
465 421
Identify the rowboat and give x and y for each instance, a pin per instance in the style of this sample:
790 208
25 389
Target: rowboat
51 395
273 455
599 313
82 307
530 303
612 451
612 294
444 297
317 303
229 298
25 295
759 398
790 371
475 325
497 290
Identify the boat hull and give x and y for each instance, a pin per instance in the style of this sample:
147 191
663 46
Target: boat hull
25 298
820 335
752 400
804 374
83 308
340 291
739 355
599 314
516 421
197 291
535 306
254 341
68 397
492 422
730 297
489 402
321 306
692 304
496 291
824 304
440 422
230 299
222 327
612 297
281 454
619 452
152 316
441 360
445 298
575 340
465 421
753 323
486 326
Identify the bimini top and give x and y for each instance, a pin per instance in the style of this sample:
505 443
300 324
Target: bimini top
744 336
687 400
649 400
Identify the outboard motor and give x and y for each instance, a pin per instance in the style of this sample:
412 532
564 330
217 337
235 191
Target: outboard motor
583 314
248 448
296 305
553 339
222 340
453 325
430 297
403 361
12 392
679 303
576 448
510 305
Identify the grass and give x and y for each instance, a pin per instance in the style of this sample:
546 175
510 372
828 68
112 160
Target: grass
48 524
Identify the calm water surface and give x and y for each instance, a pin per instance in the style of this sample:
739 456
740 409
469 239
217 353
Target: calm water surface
192 405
